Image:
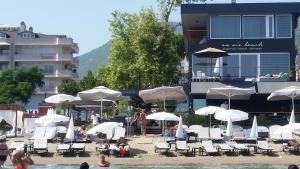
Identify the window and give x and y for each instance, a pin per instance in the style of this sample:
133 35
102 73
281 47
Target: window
258 26
274 63
48 69
284 26
27 35
198 103
249 65
231 66
225 27
48 86
2 35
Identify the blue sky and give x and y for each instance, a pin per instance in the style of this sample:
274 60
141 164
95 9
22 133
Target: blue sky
86 21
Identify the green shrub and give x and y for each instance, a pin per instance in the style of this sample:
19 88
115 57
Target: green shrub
193 119
263 120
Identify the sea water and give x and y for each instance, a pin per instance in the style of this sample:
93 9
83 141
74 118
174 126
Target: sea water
195 166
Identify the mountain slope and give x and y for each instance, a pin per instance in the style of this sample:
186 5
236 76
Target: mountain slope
93 59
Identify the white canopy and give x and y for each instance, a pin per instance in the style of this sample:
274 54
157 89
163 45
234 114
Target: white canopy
103 127
288 93
205 111
289 128
179 131
234 115
163 116
58 98
163 94
99 92
254 129
10 117
70 132
50 119
229 92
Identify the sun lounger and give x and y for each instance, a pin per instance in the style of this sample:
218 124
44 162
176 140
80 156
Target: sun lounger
16 145
181 146
118 133
240 148
39 132
263 132
263 146
78 147
208 147
238 136
40 145
193 131
203 134
109 133
215 134
61 148
272 135
224 147
50 133
162 147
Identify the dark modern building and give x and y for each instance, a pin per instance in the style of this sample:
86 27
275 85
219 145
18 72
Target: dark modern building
260 41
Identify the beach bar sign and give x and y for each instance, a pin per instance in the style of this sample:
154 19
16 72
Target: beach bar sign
243 46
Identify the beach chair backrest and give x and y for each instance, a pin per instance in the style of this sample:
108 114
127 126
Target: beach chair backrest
50 133
203 133
40 143
39 132
262 143
215 133
272 130
181 144
207 143
262 129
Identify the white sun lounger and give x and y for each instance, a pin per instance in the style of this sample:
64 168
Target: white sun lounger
78 147
39 132
50 133
272 135
181 146
263 146
224 147
61 148
203 134
118 133
40 145
215 134
16 145
162 147
208 147
240 148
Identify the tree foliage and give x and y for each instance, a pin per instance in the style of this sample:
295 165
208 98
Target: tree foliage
88 81
71 88
137 59
19 84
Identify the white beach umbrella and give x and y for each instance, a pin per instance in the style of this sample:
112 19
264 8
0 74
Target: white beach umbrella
103 127
179 131
101 93
208 111
52 118
217 66
287 130
58 98
163 116
229 127
229 92
163 94
292 118
70 132
234 115
288 93
254 129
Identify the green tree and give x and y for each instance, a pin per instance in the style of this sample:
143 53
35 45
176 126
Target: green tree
71 88
88 82
20 84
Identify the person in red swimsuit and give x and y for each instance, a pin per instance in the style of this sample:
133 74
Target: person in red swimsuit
21 160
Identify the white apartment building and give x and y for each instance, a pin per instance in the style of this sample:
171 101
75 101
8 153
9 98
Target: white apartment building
21 48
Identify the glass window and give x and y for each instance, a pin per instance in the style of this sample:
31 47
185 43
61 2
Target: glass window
48 86
48 69
231 67
198 103
274 64
203 66
225 27
2 35
27 35
249 65
283 26
254 26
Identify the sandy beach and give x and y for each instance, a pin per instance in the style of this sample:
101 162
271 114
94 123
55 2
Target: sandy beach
142 149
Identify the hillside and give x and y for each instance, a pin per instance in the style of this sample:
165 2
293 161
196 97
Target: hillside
93 59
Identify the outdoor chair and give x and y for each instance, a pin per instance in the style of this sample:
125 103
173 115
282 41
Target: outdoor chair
224 147
263 146
238 148
62 148
272 135
118 133
215 134
39 132
162 147
181 146
203 134
78 147
193 131
50 133
40 145
208 147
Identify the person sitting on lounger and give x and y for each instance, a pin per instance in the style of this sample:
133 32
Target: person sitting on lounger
102 162
82 132
124 150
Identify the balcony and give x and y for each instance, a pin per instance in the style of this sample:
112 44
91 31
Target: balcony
44 57
4 58
61 74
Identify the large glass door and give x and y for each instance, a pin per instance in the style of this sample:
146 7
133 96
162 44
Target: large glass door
248 65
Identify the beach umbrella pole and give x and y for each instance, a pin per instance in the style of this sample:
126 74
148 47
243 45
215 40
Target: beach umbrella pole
229 98
164 104
209 125
101 113
293 103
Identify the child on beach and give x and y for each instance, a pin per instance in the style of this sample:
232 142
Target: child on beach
102 162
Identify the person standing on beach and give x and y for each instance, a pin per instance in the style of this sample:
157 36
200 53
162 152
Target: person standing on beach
94 118
143 122
3 150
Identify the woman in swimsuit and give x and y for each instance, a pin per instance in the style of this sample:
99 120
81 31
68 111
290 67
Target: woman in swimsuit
21 160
